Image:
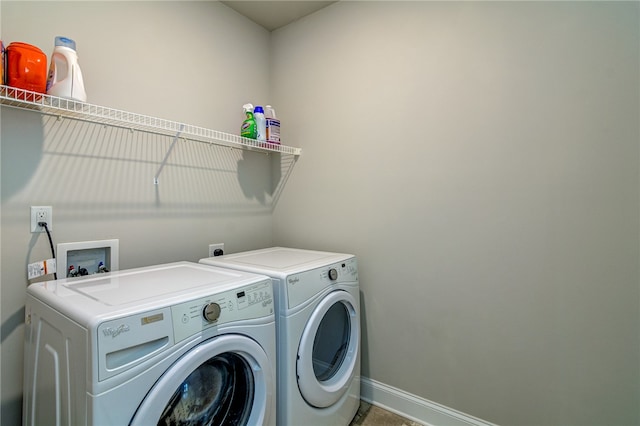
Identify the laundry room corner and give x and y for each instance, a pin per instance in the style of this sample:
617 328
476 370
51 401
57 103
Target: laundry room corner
481 159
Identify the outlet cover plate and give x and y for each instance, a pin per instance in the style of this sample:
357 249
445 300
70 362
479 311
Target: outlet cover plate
214 247
39 213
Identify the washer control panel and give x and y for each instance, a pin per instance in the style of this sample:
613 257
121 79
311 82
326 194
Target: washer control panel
211 312
249 302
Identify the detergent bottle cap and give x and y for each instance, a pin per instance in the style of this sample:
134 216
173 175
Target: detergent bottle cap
258 110
270 112
247 107
66 42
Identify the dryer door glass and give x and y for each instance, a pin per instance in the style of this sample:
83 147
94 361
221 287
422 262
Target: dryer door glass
331 342
218 392
328 353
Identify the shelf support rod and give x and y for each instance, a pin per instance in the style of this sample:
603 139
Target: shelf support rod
166 156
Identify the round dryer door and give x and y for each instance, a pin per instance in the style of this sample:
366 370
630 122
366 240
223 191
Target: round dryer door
328 350
225 380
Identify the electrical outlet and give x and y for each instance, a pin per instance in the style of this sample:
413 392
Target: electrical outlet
41 214
213 249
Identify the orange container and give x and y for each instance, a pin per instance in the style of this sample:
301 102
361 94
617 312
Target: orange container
26 67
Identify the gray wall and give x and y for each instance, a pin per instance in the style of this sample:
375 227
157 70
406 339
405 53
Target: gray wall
193 62
482 160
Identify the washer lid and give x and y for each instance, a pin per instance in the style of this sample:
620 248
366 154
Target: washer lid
277 259
133 286
133 290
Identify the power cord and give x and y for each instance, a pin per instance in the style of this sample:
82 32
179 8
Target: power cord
53 253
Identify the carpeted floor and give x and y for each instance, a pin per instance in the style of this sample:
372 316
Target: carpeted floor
370 415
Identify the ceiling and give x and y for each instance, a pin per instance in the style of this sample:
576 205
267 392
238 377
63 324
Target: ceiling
275 14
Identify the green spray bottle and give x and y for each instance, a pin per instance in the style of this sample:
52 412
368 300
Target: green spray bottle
249 128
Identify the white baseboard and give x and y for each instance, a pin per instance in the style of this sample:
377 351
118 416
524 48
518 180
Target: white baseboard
413 407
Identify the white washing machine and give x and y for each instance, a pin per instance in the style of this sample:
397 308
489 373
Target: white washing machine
317 331
181 343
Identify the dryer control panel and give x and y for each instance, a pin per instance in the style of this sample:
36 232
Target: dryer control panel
303 286
249 302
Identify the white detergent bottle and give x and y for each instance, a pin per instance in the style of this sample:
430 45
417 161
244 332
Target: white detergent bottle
65 78
261 123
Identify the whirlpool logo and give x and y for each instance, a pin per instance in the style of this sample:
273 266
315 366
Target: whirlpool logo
294 280
116 331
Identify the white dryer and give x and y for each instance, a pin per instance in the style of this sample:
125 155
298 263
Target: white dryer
180 343
317 331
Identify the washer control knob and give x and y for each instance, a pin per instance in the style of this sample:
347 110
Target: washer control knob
211 312
333 274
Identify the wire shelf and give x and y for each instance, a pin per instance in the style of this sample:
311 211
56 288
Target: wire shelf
76 110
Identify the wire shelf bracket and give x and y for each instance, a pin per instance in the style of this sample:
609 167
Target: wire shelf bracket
166 156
